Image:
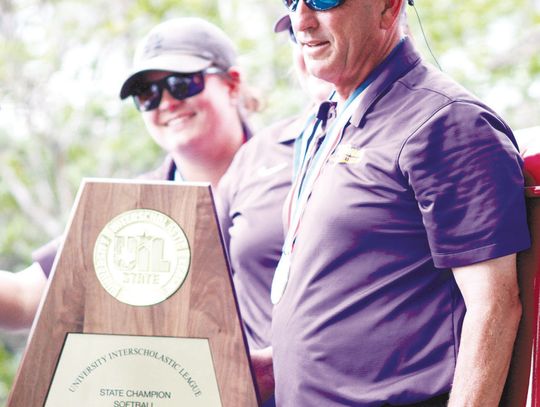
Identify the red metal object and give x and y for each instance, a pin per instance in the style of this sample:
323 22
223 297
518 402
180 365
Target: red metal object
532 173
533 199
525 363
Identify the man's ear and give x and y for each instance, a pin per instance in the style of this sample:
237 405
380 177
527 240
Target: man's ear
391 13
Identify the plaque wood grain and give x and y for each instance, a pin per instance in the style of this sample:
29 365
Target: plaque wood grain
203 307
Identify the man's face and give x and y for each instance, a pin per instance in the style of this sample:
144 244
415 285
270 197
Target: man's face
341 45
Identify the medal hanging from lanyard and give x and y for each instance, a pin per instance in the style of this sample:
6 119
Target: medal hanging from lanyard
310 168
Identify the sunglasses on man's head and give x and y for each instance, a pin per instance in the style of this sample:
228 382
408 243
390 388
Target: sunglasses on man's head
317 5
147 95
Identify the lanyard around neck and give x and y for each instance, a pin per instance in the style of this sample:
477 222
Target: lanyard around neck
311 168
303 141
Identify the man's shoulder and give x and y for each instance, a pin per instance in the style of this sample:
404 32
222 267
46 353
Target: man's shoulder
426 91
424 80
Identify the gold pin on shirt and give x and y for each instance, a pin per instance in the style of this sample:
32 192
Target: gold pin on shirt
347 154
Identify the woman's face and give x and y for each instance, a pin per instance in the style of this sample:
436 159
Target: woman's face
197 124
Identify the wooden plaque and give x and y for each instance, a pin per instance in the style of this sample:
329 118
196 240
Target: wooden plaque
140 308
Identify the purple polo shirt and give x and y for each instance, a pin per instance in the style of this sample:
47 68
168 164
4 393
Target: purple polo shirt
425 178
251 195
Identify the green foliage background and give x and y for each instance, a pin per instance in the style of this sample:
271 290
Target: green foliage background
62 62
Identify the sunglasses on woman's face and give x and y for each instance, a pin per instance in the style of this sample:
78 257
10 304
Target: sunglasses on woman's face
317 5
147 95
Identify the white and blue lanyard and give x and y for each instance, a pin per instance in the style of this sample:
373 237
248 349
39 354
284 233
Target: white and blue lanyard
307 170
302 143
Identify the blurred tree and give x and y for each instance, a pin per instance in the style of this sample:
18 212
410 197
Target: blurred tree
8 365
491 47
62 62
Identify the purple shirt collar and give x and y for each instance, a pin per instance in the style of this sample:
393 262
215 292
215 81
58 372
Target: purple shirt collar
400 61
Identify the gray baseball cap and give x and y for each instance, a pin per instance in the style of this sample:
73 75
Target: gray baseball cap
184 45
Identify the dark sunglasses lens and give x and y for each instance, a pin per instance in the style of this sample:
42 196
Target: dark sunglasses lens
147 97
322 5
181 87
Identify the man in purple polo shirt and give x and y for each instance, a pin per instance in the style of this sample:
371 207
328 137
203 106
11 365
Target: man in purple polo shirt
397 283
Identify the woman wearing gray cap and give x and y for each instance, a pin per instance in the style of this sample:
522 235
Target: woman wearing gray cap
188 90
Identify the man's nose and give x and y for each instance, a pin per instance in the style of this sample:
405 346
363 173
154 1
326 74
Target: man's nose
303 18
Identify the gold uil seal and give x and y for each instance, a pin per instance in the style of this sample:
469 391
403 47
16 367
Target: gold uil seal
141 257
